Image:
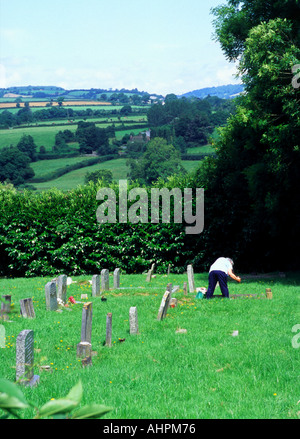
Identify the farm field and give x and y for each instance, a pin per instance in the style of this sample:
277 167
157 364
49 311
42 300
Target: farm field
202 372
75 178
64 104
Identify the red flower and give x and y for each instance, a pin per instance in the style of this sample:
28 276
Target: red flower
71 299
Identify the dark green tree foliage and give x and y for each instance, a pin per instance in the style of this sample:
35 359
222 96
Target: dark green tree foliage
14 166
92 138
160 160
27 146
252 186
102 174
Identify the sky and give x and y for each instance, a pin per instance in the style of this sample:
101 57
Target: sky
157 46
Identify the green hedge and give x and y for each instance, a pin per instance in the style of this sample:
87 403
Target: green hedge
55 232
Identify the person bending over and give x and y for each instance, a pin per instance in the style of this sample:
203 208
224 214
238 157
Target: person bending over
219 272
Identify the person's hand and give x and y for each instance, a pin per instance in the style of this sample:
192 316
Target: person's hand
238 279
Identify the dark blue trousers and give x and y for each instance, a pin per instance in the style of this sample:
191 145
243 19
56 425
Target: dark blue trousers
214 277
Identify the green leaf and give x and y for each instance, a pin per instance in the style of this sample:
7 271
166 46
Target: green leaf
76 393
91 411
57 406
11 396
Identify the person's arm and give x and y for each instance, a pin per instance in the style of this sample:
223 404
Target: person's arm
233 276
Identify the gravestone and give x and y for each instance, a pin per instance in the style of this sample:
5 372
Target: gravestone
5 307
108 329
175 289
269 293
51 296
149 275
191 280
104 280
26 306
133 320
25 359
117 278
96 285
185 288
84 347
164 306
169 287
61 283
153 267
169 269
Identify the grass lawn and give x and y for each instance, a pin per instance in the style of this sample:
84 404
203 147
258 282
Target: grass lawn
205 373
44 167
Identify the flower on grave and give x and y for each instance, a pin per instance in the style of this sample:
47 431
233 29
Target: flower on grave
71 299
60 302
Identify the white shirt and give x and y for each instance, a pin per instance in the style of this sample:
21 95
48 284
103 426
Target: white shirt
221 264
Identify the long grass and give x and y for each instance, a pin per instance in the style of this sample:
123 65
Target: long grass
159 373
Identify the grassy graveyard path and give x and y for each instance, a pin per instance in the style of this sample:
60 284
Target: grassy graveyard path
202 373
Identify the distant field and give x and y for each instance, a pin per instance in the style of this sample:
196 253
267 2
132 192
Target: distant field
42 135
44 104
206 149
75 178
44 167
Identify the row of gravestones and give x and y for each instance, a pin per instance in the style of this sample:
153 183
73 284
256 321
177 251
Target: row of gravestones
25 339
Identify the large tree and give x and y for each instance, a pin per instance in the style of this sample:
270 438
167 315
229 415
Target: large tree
252 186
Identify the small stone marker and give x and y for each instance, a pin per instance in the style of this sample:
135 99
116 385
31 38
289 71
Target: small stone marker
108 329
164 306
25 359
104 280
51 296
27 310
96 285
173 303
269 293
191 280
185 288
133 320
84 348
169 269
117 278
61 283
169 287
175 289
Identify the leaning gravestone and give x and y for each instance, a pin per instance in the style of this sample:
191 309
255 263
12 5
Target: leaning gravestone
26 306
104 280
191 280
25 359
117 278
51 296
164 306
61 283
133 320
96 285
84 347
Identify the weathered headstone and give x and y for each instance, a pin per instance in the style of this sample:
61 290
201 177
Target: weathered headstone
25 359
61 283
84 347
51 296
169 269
108 329
191 280
104 280
164 306
96 285
169 287
185 288
5 307
149 275
173 303
153 267
27 310
117 278
133 320
175 289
